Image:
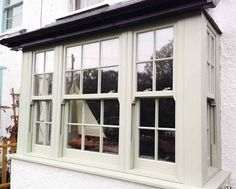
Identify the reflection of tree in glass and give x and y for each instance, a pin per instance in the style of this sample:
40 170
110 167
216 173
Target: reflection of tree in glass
144 77
164 75
90 81
48 83
109 81
165 51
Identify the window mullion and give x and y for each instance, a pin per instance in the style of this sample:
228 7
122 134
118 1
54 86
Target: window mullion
101 123
156 129
83 127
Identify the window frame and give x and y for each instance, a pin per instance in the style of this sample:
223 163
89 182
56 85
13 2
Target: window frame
105 160
6 8
160 168
37 149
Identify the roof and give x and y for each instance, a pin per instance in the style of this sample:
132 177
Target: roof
106 18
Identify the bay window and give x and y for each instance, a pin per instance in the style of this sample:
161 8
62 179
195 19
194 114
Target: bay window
138 104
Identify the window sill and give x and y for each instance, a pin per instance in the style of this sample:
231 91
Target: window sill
218 180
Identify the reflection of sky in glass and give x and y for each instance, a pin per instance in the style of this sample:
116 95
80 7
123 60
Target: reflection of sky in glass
163 37
73 58
49 61
110 52
39 63
145 46
91 55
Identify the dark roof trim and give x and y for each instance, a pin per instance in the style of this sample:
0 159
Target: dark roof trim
120 16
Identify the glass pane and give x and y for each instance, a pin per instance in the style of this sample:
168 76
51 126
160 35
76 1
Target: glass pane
48 134
144 77
48 84
9 23
43 134
16 21
75 111
38 85
91 55
39 66
17 16
44 111
73 58
92 111
164 43
111 112
110 52
166 146
147 113
49 62
92 138
146 143
9 13
40 133
166 112
145 46
164 75
109 80
73 82
110 140
74 137
90 81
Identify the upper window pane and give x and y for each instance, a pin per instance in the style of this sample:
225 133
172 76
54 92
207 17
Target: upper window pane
73 58
43 78
110 52
91 55
39 63
12 15
145 46
164 43
49 61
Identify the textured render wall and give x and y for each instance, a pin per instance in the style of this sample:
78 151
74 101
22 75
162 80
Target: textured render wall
33 176
11 79
225 16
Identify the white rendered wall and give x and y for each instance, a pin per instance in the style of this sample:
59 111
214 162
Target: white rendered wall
225 17
32 176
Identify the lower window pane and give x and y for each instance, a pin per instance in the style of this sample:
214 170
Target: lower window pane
43 134
75 111
166 112
110 140
38 85
111 112
166 146
146 143
164 75
92 111
109 80
90 81
144 77
74 137
72 82
48 84
92 138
